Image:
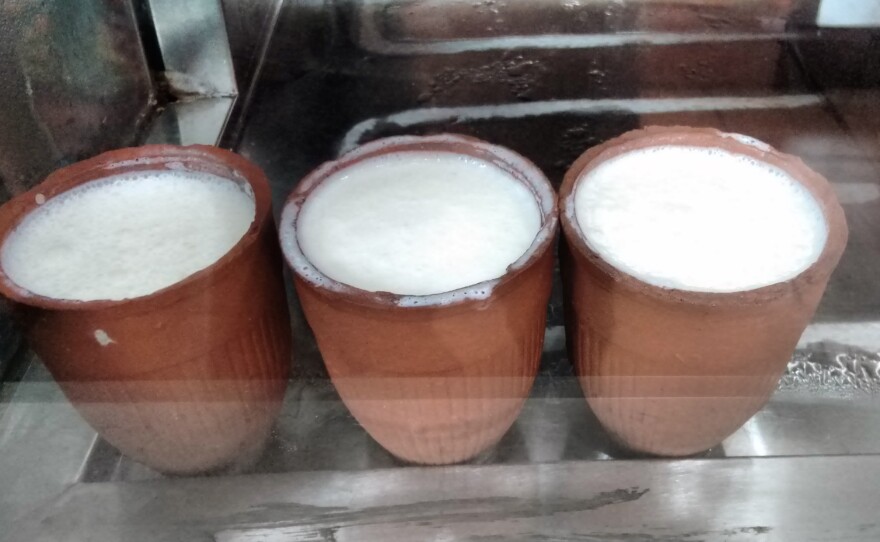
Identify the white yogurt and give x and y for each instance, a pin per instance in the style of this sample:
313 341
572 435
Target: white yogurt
417 223
699 219
127 235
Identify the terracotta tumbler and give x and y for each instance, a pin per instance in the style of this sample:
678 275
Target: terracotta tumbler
674 372
440 378
187 379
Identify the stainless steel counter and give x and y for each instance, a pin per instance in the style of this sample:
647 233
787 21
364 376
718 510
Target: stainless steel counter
805 468
731 500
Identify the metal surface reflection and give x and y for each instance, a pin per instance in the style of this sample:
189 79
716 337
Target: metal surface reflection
194 47
75 83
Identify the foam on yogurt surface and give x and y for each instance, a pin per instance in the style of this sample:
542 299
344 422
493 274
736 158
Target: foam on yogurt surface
699 219
127 235
417 223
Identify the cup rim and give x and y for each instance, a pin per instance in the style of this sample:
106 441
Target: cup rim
520 167
142 158
655 136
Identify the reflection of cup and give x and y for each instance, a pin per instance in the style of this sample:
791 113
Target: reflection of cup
191 377
674 371
433 378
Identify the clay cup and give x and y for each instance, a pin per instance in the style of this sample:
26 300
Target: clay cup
187 379
673 372
434 379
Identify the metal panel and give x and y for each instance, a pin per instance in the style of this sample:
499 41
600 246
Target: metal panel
194 47
43 443
420 27
74 83
191 122
250 25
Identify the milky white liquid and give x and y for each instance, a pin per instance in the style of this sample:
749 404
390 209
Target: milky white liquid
699 219
127 236
417 223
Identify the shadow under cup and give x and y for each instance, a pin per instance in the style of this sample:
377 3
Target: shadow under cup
675 372
189 378
433 382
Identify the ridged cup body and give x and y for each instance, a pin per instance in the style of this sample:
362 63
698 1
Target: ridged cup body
432 383
674 372
189 378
